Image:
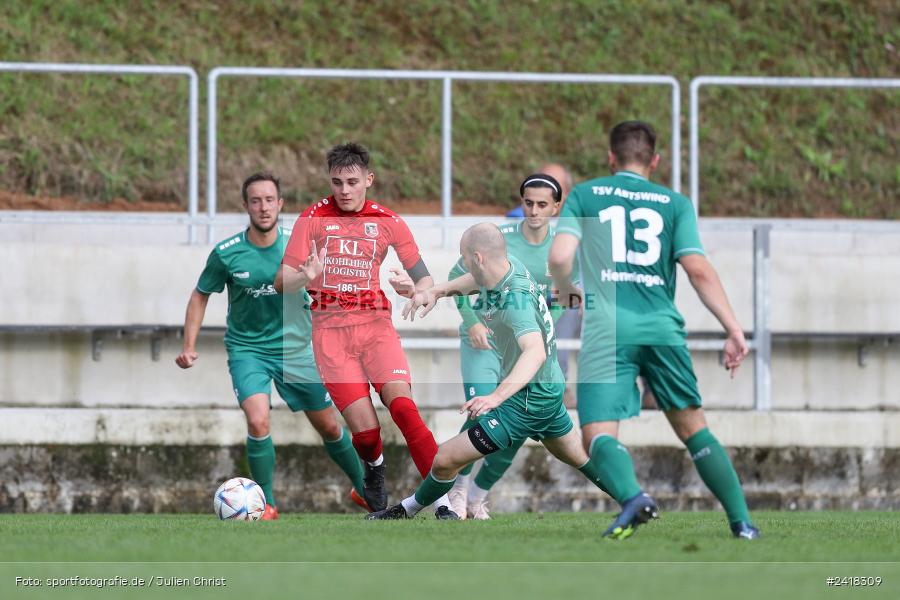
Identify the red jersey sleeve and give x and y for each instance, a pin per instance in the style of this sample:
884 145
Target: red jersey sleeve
403 242
297 250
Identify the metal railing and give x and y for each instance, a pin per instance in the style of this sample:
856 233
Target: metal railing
163 70
768 82
447 78
761 272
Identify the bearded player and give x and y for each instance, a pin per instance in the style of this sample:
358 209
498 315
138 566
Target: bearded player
265 342
335 252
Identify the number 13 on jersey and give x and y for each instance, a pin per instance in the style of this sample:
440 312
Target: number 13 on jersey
648 234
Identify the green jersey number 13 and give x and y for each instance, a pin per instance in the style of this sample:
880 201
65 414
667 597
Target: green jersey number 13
649 234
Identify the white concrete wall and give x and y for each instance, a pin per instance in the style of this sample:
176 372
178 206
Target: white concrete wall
58 370
224 427
823 281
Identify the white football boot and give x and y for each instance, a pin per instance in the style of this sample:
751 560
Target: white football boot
457 496
479 510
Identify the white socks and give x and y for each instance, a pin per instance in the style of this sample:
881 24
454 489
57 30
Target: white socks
476 494
462 483
410 505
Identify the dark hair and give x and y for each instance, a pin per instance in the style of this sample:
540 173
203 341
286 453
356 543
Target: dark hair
260 176
633 142
541 180
347 156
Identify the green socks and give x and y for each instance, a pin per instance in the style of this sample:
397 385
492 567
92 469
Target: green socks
590 471
431 489
261 458
718 474
344 455
614 469
495 465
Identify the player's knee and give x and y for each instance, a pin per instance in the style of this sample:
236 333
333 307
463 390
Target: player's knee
392 390
444 467
330 431
258 424
686 422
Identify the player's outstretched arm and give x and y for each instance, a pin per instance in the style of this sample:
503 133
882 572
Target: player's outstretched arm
560 261
426 299
193 319
705 280
289 280
404 285
534 353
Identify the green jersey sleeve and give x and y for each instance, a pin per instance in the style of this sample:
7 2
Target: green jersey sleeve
519 314
463 304
570 217
686 238
214 276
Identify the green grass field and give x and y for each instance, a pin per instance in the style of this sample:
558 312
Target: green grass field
513 556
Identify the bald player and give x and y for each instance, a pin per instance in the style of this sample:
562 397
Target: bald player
528 401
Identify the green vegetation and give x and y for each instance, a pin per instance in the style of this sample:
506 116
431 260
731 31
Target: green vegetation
683 555
766 152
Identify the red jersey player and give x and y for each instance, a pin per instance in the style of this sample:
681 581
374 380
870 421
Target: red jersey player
335 251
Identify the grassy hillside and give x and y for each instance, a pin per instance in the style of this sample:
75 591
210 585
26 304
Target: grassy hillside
777 153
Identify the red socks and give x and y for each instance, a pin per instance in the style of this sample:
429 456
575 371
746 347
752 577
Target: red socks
419 439
368 444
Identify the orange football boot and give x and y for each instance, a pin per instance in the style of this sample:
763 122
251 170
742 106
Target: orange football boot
270 514
359 500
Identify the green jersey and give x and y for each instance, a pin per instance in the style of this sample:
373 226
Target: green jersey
256 312
532 256
631 232
511 309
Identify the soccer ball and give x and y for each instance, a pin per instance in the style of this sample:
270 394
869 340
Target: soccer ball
239 499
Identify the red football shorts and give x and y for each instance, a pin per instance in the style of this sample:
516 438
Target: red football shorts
350 357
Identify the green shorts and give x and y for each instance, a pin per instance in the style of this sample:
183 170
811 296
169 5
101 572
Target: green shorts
296 378
509 424
480 370
607 388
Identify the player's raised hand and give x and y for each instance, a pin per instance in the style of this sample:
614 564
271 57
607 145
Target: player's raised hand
186 359
314 264
735 350
425 299
478 336
402 283
479 405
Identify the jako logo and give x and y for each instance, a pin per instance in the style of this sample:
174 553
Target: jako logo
399 372
703 452
492 423
332 227
242 275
